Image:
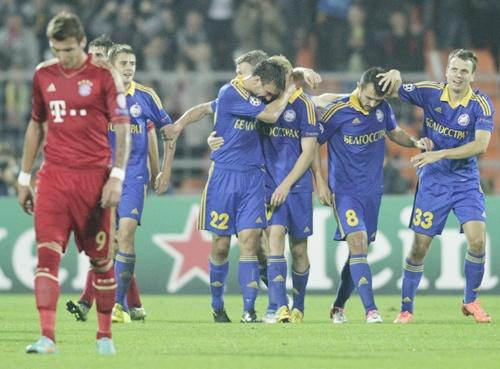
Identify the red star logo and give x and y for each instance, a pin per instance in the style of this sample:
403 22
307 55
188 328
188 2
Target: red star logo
190 251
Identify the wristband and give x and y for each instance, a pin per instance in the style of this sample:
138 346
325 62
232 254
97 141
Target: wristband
118 173
24 179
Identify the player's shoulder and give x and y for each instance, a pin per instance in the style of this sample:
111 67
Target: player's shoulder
431 87
46 64
336 107
482 102
235 88
149 93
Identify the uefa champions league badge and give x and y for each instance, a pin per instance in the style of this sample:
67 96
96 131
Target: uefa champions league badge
408 87
135 110
255 101
463 120
85 87
380 115
289 115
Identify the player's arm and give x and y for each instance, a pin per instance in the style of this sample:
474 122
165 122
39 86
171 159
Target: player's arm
153 155
274 109
172 131
307 75
402 138
163 179
33 140
323 100
473 148
324 194
391 82
302 164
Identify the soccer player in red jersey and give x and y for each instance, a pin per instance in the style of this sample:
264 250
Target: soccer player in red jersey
76 190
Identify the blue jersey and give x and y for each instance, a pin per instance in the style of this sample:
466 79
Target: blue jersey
235 113
145 107
356 144
281 142
448 127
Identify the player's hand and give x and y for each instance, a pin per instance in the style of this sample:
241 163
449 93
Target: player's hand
171 133
311 78
390 80
162 182
324 194
279 195
111 193
26 198
429 157
424 143
214 141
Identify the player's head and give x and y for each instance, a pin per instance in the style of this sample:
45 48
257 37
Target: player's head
268 80
246 63
67 39
285 63
122 57
461 69
99 47
369 91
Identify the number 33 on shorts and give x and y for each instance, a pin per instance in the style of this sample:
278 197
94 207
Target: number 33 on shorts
422 218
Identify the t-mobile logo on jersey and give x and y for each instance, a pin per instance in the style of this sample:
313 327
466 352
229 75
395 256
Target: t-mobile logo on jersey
58 111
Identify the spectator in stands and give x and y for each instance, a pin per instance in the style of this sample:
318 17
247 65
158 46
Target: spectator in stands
194 51
18 44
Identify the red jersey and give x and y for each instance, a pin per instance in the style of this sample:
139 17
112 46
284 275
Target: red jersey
77 105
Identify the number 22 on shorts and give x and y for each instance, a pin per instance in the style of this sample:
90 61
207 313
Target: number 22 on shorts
219 221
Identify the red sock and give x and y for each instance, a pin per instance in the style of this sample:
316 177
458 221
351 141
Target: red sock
88 291
47 289
104 289
133 298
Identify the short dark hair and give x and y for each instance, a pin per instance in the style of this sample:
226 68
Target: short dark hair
252 57
118 49
65 25
271 71
102 41
370 76
466 55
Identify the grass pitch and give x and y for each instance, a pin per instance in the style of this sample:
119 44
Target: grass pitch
179 333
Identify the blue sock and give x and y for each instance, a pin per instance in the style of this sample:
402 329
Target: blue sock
218 274
263 272
299 282
362 278
474 271
346 286
412 273
124 270
249 281
276 272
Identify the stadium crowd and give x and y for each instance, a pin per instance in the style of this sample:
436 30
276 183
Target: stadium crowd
193 39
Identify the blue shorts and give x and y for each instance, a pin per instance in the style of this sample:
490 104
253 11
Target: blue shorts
433 203
356 213
233 200
132 200
296 214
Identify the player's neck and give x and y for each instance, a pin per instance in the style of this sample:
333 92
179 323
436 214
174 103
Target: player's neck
457 95
127 85
78 63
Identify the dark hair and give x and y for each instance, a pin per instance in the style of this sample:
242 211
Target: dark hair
466 55
252 57
102 41
65 25
271 71
118 49
370 76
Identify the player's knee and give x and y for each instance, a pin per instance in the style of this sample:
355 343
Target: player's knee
358 243
220 248
477 245
101 265
299 252
126 240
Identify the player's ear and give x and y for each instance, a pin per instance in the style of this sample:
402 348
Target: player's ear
472 76
83 42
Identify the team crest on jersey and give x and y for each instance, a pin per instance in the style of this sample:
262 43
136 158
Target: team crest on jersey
135 110
408 87
289 115
380 115
255 101
463 120
85 87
